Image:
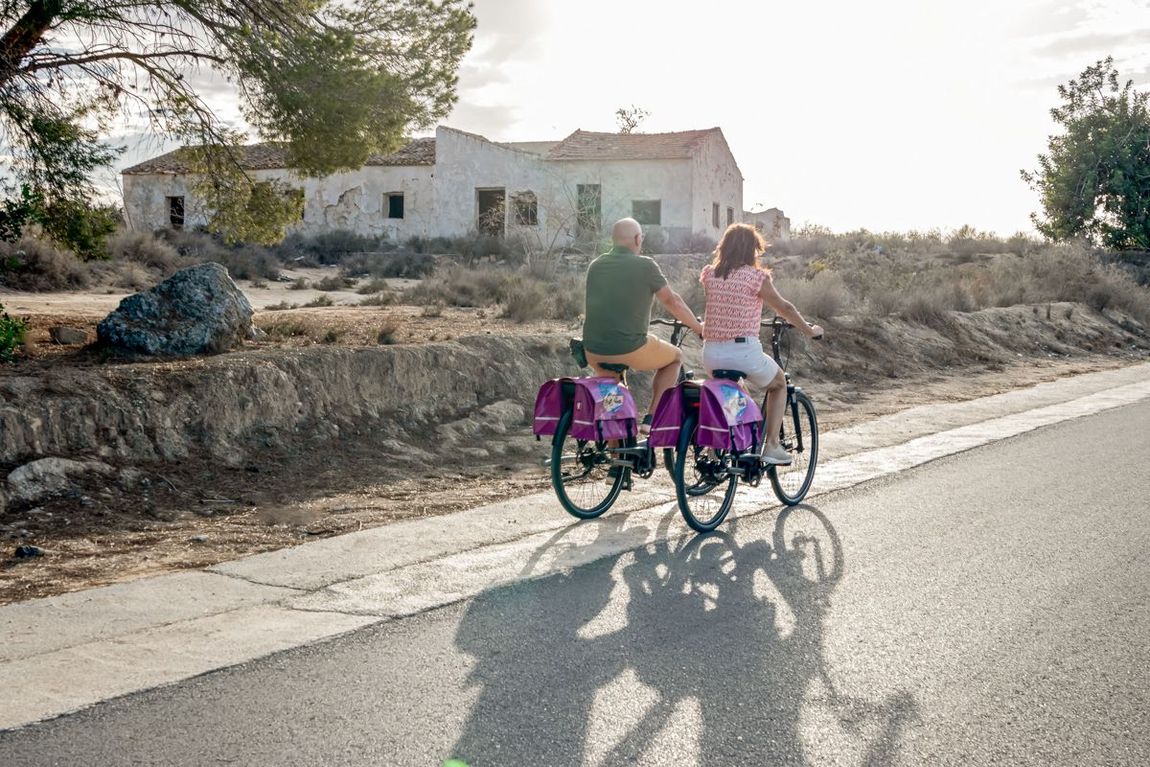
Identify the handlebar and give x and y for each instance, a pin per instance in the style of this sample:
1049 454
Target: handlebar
773 322
671 323
780 324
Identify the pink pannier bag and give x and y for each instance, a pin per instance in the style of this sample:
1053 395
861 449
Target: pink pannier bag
668 417
728 418
602 408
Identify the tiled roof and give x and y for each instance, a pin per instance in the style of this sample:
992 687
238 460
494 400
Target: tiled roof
585 145
540 148
273 156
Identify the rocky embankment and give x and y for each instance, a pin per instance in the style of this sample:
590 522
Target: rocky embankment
432 399
228 407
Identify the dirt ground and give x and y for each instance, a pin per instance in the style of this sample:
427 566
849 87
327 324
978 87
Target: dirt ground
193 514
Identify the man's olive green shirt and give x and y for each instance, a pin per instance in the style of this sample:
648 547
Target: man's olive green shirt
620 285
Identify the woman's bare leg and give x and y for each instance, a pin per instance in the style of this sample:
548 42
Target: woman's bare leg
776 403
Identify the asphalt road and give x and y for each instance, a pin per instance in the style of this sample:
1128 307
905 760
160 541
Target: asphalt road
989 608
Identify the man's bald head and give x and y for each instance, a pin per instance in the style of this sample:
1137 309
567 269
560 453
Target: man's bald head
627 233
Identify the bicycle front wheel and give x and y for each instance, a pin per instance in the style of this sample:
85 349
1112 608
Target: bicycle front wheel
704 489
800 438
580 473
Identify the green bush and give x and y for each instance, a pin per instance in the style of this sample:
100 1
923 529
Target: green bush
12 334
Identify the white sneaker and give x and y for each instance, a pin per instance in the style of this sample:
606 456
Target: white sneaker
776 456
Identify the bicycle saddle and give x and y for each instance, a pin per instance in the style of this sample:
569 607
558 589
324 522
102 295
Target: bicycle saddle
614 367
730 375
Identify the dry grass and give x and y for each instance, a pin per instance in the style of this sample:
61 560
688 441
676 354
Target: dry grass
923 276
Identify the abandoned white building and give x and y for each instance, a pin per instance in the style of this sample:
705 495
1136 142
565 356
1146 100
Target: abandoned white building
684 183
771 222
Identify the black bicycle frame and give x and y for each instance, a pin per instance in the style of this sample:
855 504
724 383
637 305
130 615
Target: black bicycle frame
792 400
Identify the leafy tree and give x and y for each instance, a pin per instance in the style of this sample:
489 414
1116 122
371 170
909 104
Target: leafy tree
1094 180
336 80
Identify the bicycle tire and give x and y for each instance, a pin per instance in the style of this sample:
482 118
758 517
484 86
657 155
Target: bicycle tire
588 472
693 494
791 483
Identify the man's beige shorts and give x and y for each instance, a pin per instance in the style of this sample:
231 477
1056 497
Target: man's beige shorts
654 354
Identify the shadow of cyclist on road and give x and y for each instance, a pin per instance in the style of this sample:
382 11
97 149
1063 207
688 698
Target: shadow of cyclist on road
712 644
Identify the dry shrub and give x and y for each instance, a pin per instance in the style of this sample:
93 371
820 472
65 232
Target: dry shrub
383 298
280 306
1117 290
527 301
405 265
530 299
289 327
388 332
883 302
37 265
434 309
460 286
143 248
249 262
334 282
300 283
132 277
926 308
320 301
376 285
824 295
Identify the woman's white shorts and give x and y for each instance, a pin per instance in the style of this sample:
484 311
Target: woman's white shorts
746 356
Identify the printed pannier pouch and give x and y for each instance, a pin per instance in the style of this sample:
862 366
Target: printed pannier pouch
728 418
602 408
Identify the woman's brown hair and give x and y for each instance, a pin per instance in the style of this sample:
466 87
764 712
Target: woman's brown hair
741 246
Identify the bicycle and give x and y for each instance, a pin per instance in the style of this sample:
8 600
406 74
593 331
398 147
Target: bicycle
700 471
581 468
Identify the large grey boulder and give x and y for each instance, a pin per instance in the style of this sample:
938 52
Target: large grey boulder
48 477
198 310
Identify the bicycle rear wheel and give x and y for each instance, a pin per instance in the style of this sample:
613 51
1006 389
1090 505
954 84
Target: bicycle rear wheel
800 438
579 473
704 490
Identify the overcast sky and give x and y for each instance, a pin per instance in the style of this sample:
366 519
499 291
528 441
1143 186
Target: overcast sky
888 114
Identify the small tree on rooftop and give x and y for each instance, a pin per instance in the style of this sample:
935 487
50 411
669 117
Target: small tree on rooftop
629 118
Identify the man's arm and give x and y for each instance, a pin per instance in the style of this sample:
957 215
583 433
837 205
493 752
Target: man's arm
678 308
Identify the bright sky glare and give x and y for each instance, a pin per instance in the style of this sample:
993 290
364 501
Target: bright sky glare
888 115
885 115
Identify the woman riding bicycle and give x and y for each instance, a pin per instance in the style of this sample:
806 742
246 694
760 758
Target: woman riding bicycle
737 285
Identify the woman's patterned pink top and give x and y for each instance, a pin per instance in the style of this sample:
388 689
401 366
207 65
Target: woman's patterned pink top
734 307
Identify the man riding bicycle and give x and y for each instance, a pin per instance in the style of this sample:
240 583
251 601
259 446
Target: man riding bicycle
620 285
